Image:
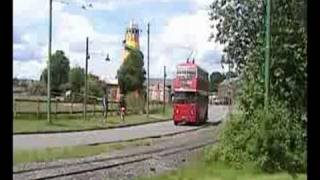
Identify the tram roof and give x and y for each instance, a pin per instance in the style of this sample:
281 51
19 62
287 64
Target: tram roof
190 64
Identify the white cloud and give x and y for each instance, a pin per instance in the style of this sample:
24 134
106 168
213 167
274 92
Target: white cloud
28 69
183 34
70 36
28 12
171 46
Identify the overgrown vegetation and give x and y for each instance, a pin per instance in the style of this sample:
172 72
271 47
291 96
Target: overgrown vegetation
219 171
273 138
135 102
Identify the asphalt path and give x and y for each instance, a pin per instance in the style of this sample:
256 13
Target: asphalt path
40 141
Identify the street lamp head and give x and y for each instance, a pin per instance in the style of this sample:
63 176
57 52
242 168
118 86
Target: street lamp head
107 58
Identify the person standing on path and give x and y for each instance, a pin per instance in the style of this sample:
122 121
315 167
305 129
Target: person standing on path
105 105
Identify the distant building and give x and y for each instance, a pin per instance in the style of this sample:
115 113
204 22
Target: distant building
113 90
20 86
156 89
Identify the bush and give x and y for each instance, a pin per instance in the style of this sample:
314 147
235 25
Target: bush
135 103
274 140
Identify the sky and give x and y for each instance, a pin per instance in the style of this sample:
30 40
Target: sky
177 27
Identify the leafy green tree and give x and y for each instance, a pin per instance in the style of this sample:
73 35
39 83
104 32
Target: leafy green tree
96 87
240 26
60 67
76 79
131 74
215 79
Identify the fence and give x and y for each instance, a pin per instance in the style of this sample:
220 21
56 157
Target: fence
38 106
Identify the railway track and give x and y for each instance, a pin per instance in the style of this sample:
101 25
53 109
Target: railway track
72 169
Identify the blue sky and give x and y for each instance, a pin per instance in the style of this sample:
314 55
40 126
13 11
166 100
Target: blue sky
177 27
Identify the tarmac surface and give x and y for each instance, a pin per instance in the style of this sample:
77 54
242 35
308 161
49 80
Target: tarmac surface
40 141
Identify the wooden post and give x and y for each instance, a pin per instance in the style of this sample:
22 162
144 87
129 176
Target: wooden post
71 105
56 108
38 108
94 107
14 108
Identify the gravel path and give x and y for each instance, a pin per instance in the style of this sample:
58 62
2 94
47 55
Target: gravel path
38 141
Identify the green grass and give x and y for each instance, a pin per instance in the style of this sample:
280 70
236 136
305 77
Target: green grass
158 110
51 154
65 123
218 171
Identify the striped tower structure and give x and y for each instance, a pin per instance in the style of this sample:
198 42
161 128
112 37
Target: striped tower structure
131 38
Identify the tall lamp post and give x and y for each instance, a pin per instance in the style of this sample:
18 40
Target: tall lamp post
49 64
164 88
148 31
267 54
86 78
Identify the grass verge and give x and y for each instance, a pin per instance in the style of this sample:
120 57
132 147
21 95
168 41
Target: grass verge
219 171
77 123
51 154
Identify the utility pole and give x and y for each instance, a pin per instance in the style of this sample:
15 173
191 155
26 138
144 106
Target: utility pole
85 79
164 88
148 31
267 55
49 64
229 85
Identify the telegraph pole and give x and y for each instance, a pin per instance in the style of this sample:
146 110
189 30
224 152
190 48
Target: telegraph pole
164 88
148 31
267 54
85 79
49 64
229 85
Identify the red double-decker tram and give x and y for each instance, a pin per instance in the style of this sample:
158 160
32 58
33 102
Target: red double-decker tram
191 91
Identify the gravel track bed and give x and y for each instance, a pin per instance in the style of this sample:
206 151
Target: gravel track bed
169 144
151 167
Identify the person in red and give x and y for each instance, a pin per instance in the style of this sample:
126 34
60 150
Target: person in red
122 106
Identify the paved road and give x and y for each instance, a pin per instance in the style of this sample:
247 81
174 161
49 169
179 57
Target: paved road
38 141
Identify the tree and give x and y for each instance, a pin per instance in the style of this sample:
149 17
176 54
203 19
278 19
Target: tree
76 79
131 74
230 74
274 138
215 79
60 67
96 87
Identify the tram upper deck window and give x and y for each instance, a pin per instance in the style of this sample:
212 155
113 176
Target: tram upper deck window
186 73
